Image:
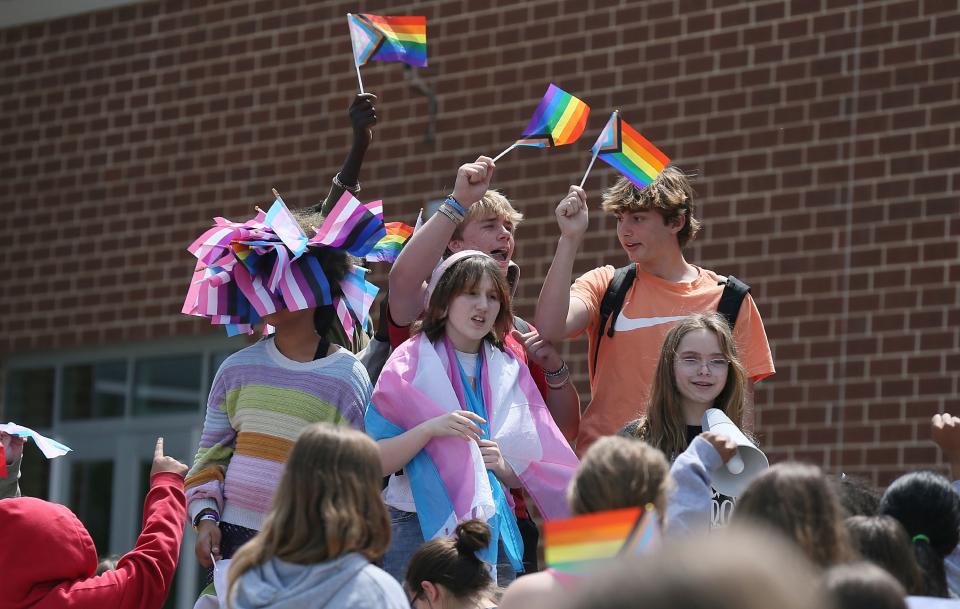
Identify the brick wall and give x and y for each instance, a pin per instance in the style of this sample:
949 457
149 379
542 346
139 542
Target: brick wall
825 134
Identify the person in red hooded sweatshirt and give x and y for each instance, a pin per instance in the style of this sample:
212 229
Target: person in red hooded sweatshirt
48 560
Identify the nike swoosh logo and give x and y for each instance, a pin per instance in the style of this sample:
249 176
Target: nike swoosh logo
625 324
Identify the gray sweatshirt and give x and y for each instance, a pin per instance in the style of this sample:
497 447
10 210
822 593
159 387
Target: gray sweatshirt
689 506
349 581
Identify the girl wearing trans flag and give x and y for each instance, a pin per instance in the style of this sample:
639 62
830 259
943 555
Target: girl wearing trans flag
464 421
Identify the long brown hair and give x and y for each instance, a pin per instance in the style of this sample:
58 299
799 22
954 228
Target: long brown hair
797 500
465 275
663 426
326 505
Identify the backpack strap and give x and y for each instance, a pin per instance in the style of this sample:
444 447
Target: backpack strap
734 291
612 303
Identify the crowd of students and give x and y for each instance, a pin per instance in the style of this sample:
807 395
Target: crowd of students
329 481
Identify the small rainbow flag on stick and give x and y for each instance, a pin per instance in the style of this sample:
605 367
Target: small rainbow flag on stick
621 146
388 248
377 38
578 545
559 119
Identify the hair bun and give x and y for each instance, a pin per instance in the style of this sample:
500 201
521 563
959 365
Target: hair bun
472 536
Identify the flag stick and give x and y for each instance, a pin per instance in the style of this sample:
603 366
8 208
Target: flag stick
509 148
359 80
589 167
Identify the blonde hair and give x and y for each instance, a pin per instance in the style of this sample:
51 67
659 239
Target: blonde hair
670 195
493 202
619 473
327 504
664 426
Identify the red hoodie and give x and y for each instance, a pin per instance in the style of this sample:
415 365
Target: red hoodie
48 560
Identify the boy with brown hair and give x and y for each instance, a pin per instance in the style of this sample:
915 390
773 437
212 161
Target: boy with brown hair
653 226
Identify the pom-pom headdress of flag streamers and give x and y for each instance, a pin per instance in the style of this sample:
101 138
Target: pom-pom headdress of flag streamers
246 270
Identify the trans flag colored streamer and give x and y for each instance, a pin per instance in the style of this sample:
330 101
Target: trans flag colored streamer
582 544
449 480
623 148
246 270
377 38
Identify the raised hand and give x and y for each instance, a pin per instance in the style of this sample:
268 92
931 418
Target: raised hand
164 464
12 446
539 350
363 116
571 212
473 181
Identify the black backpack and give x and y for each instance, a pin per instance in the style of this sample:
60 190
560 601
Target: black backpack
734 291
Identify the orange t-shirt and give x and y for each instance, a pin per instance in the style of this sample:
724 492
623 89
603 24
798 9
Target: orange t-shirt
626 363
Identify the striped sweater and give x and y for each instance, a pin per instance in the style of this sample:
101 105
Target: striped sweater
259 403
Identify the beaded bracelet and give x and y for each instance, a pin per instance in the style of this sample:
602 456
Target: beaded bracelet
558 372
339 184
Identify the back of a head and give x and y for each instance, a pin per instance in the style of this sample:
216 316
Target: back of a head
453 563
619 473
926 505
44 545
858 497
884 542
732 569
863 585
796 499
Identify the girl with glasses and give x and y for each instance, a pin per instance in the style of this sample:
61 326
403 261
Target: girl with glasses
697 369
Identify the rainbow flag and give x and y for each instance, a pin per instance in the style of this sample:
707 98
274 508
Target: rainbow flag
559 119
622 147
580 544
378 38
388 248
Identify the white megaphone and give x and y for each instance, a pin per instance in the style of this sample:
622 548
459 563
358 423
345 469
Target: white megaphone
744 466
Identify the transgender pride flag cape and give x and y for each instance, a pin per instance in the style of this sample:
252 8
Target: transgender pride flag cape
450 483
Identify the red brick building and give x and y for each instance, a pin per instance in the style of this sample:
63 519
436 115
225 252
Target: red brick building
825 135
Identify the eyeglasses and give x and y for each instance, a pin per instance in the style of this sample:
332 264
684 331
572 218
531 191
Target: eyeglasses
715 365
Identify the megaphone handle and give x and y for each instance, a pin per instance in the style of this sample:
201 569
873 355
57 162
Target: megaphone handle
735 464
